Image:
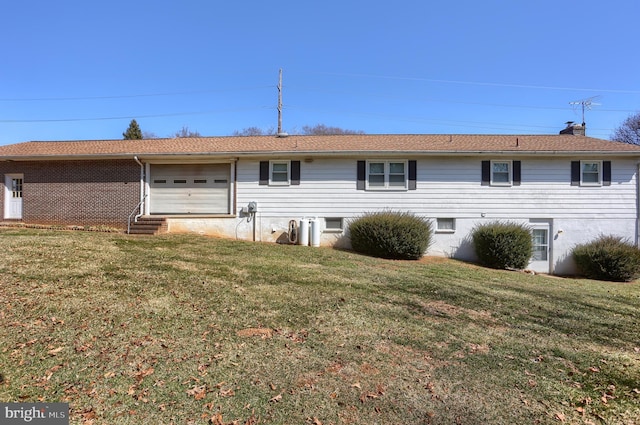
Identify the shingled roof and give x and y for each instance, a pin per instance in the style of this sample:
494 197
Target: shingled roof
318 145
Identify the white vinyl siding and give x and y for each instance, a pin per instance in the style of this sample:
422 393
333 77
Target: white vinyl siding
448 187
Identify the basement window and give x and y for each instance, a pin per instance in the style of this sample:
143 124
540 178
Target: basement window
333 224
445 225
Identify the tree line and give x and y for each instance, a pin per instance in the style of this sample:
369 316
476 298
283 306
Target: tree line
627 132
134 132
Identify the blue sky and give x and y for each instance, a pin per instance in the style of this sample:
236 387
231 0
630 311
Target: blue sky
83 69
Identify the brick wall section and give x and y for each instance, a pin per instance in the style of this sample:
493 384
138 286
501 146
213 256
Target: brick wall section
77 192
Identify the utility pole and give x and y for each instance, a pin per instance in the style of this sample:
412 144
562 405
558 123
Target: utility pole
280 133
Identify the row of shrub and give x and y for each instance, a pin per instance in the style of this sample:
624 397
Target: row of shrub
499 245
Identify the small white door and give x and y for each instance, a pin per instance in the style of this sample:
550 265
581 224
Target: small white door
13 196
540 260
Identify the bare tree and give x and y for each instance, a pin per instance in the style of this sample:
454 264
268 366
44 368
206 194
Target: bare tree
254 131
321 129
307 130
149 135
629 130
185 132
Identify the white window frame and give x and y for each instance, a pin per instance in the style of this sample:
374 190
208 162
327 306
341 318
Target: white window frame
599 173
273 182
387 173
451 229
509 181
328 229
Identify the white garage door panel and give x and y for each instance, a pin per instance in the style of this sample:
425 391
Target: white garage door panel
189 189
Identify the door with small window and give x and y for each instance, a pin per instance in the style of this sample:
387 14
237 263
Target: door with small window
541 252
13 196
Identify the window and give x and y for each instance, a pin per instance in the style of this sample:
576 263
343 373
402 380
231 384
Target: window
387 174
540 242
591 173
501 173
333 224
279 173
446 225
16 188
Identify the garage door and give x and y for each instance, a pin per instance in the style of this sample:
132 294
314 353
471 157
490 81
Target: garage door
189 189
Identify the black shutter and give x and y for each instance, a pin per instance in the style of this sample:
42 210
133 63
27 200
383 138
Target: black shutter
606 173
486 173
575 173
517 171
264 172
295 172
362 175
413 174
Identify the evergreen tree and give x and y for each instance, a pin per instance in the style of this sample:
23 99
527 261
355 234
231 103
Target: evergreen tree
133 132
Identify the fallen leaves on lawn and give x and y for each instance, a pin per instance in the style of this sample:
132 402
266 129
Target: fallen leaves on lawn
372 395
229 392
198 392
141 374
276 398
263 333
55 351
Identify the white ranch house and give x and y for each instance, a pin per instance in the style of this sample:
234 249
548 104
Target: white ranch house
568 188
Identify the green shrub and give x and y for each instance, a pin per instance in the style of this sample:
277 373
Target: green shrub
389 234
608 258
503 245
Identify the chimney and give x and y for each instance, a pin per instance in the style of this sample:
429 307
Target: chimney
574 129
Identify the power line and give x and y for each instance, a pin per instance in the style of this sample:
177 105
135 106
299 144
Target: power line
455 102
450 123
483 83
175 114
129 96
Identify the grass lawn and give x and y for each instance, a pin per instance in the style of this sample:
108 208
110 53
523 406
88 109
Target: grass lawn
193 330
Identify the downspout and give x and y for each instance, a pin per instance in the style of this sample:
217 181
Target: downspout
638 205
142 187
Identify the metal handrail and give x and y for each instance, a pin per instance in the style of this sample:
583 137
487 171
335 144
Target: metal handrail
137 216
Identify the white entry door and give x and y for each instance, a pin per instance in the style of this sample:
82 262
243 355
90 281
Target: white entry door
13 196
540 260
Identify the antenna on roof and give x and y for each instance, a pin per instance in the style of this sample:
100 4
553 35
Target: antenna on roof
587 104
280 133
